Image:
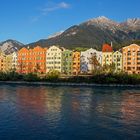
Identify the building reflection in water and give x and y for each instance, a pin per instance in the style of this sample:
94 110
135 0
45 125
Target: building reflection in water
130 107
51 103
118 106
31 99
40 101
81 101
2 94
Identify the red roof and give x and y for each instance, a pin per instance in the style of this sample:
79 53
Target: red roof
107 48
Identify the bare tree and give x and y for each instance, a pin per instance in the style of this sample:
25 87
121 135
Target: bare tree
94 62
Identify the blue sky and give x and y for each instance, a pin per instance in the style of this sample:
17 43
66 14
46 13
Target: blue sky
30 20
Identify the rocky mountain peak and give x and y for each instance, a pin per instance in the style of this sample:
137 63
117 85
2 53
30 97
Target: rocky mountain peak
103 23
134 21
131 24
9 46
102 19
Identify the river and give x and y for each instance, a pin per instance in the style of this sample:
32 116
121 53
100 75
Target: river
69 113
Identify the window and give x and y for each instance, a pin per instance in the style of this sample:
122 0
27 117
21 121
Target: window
128 68
138 53
128 53
128 63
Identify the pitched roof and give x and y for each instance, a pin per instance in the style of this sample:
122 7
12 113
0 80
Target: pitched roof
107 48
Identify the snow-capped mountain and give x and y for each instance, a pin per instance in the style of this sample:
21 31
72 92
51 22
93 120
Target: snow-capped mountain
103 22
10 46
92 33
131 24
95 32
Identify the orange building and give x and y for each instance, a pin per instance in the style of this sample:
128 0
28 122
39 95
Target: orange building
76 62
32 60
131 59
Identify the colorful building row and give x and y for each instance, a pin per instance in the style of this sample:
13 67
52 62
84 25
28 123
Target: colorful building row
42 60
126 60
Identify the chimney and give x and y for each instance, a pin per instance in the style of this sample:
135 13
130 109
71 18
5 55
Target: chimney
111 44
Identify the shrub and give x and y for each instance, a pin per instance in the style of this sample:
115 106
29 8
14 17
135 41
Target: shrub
53 75
31 77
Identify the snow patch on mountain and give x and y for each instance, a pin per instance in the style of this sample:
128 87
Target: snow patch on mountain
103 23
55 35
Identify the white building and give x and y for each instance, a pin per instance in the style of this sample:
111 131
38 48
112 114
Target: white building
86 58
14 61
53 58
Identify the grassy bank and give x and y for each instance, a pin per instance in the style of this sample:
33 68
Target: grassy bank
109 78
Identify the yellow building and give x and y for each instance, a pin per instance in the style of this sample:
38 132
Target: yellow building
2 61
8 61
107 53
76 62
117 60
54 58
131 59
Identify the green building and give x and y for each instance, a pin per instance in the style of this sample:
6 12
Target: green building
67 62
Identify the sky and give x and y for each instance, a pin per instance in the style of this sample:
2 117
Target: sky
31 20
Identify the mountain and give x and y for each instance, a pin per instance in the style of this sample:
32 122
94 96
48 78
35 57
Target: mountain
95 32
131 24
55 35
10 46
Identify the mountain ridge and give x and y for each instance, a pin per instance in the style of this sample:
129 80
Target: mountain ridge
91 33
95 32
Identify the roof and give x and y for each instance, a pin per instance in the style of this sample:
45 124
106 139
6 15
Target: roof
131 45
107 48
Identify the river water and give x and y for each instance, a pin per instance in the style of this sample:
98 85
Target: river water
69 113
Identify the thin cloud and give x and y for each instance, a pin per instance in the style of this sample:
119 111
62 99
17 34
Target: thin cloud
50 7
54 7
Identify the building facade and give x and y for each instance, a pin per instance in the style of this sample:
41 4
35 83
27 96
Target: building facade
8 61
22 60
107 53
38 61
2 62
117 61
131 59
89 59
14 61
76 62
53 59
32 60
67 63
